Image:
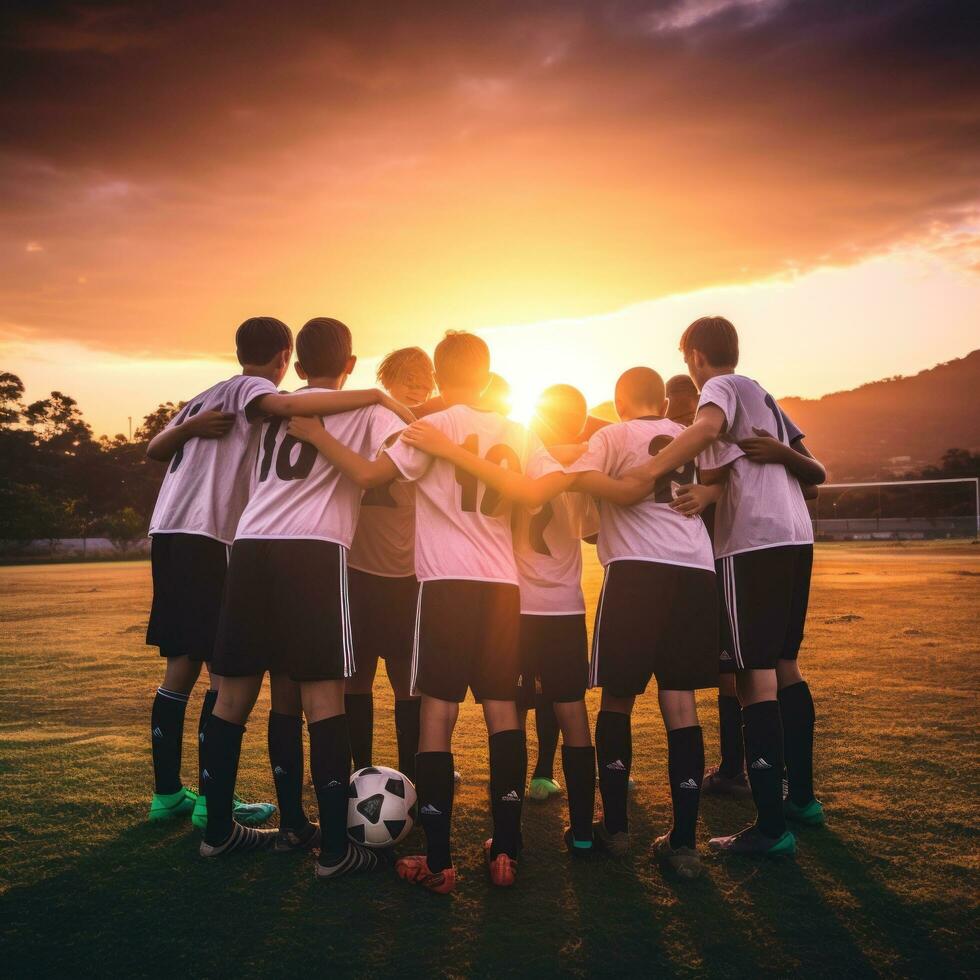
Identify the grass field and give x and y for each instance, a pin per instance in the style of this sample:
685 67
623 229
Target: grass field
888 888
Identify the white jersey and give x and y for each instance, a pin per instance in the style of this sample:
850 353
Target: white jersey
649 530
298 493
207 482
763 505
384 543
548 547
462 528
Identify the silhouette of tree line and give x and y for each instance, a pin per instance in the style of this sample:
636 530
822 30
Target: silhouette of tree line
58 481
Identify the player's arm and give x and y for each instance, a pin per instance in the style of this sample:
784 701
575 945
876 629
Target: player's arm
688 445
511 484
764 448
624 491
204 425
321 403
695 498
365 473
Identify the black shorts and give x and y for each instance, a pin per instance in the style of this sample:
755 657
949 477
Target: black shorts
286 611
188 582
467 636
382 613
763 596
655 620
554 654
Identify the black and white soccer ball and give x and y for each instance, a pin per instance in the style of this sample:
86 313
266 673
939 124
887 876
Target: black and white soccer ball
382 806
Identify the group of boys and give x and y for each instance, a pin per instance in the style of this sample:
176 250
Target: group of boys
305 535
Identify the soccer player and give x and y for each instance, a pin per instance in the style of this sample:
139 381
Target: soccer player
764 552
286 611
468 614
383 586
210 446
682 399
553 641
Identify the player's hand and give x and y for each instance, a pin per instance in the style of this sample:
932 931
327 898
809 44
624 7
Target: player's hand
210 425
425 436
693 499
763 448
305 428
404 413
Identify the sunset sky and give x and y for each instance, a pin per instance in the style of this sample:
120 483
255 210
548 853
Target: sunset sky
576 180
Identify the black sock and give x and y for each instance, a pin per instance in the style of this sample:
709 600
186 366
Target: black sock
578 764
330 767
360 724
508 775
796 709
685 769
764 751
435 800
546 726
614 751
407 734
222 750
286 759
210 700
730 735
167 738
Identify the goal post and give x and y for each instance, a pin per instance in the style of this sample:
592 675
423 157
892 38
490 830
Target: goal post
891 509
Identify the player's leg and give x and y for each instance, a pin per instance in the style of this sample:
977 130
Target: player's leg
508 775
685 772
614 755
359 707
296 832
408 709
546 728
222 752
796 704
728 777
170 797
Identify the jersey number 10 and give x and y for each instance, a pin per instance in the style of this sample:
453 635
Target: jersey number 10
500 454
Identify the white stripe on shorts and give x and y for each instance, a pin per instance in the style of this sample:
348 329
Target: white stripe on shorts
594 665
731 606
415 640
346 633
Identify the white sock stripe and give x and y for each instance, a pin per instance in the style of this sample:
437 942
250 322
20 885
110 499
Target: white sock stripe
173 695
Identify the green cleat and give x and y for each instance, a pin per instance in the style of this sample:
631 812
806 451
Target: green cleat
751 842
169 806
542 789
811 815
247 814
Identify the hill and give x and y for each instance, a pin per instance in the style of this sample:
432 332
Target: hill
893 426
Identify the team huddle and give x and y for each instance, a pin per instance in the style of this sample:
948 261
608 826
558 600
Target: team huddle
307 535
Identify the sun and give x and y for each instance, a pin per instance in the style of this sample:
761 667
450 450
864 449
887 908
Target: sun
523 402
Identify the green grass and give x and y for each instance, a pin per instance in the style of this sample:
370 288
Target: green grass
889 887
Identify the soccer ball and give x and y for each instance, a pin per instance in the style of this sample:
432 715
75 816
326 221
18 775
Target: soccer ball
381 809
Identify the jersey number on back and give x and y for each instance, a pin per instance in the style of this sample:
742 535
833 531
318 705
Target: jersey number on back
286 469
663 492
179 455
469 484
536 528
778 416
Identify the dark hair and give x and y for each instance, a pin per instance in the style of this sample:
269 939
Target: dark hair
260 338
715 337
680 385
323 347
462 359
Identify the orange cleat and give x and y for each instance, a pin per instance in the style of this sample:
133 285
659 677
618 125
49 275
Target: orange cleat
415 869
503 868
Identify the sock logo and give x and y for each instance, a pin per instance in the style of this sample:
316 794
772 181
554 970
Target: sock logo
617 766
205 775
724 655
200 737
761 763
332 783
688 784
158 732
430 811
512 797
279 771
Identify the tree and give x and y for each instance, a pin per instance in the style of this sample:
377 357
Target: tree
58 422
157 420
124 528
11 392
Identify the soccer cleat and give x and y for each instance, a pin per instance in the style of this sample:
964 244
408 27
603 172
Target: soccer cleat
578 848
247 814
457 778
358 858
811 814
503 868
716 783
307 839
239 840
169 806
684 860
416 870
542 789
617 844
751 842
